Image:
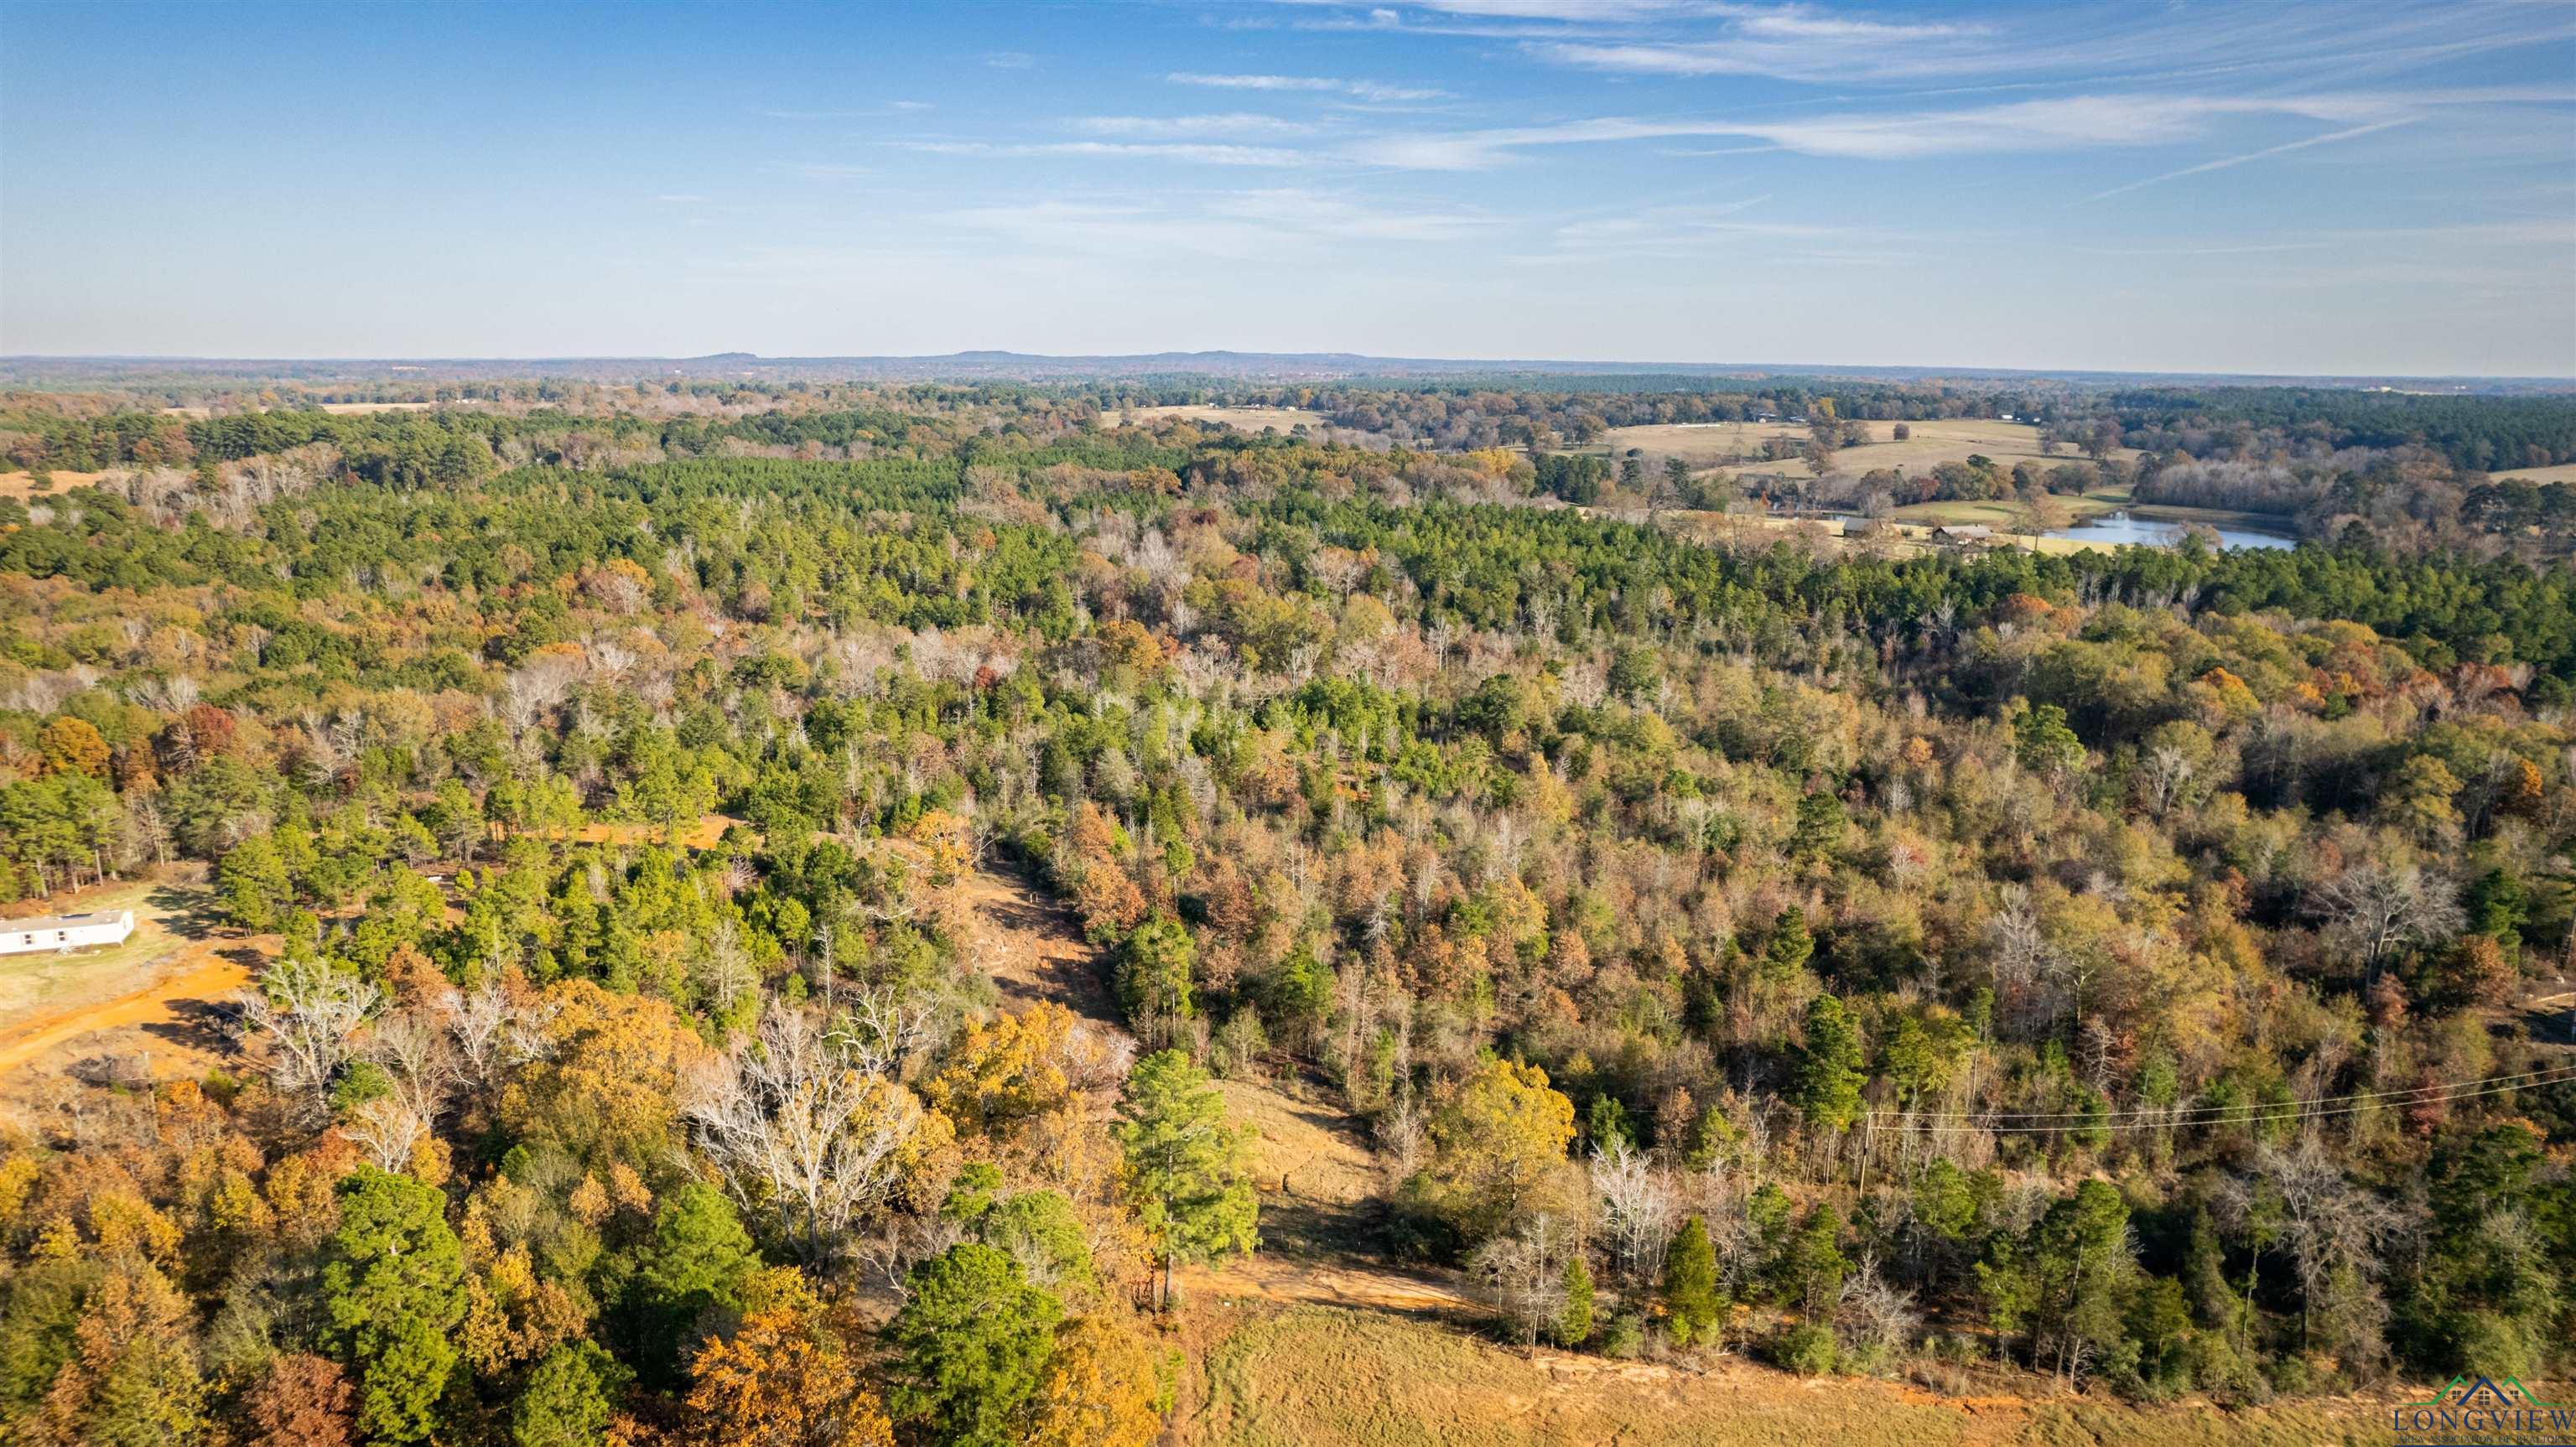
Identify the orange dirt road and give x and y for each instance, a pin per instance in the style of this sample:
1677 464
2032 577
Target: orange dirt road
208 980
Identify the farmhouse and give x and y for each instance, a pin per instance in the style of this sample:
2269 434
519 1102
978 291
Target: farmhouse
64 933
1964 534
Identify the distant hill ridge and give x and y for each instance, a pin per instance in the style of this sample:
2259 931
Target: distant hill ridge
997 366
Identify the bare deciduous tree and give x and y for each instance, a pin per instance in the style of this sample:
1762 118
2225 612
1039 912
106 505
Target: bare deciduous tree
801 1132
1523 1271
308 1013
1637 1211
2381 909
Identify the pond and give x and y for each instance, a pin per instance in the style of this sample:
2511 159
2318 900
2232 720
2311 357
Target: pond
2121 527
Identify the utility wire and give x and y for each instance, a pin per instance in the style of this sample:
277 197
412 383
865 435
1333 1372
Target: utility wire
2252 1113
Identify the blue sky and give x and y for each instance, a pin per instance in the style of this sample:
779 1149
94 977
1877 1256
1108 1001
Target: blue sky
2287 186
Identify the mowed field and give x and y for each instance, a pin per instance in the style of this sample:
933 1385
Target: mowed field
340 408
2563 472
1931 444
1244 419
1324 1376
23 484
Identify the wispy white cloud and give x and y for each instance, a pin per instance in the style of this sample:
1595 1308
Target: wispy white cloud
1368 90
1195 153
1275 224
2336 43
2063 123
1340 218
1010 60
1232 123
2224 162
1687 231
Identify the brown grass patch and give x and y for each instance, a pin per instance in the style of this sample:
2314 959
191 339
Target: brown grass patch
1323 1376
23 484
1246 419
1932 443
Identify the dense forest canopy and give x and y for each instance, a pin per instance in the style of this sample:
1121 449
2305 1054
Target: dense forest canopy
2114 965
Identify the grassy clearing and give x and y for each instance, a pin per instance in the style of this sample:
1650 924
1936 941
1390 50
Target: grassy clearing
158 997
2004 513
23 484
2563 472
1245 419
1931 444
1321 1376
165 918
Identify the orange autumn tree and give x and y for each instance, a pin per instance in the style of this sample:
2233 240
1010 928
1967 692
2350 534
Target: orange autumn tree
784 1379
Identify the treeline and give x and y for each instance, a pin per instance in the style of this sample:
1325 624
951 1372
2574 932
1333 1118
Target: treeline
2478 434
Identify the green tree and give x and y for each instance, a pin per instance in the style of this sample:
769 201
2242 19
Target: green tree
1786 952
696 1257
1188 1171
1607 1124
1574 1318
1811 1266
2080 1268
971 1348
1154 974
1820 825
2044 743
254 883
570 1400
1829 1067
1693 1304
393 1291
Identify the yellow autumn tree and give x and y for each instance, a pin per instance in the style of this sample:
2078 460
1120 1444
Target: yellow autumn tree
784 1379
1006 1071
1497 1144
1105 1387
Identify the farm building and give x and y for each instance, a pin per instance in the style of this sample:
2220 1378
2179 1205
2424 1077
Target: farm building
65 932
1965 534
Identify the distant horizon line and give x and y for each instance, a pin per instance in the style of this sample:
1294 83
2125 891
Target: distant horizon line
1623 366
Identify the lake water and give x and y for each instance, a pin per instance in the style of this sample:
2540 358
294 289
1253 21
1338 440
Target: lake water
2120 527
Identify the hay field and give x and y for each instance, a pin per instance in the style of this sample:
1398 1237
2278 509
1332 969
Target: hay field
336 408
23 484
1321 1376
1932 444
2563 472
1243 419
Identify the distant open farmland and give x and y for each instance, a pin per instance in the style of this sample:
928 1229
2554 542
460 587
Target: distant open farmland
341 408
2563 472
1247 419
1932 444
23 484
1322 1376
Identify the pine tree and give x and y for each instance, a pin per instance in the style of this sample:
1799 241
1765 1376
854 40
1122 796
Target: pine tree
1574 1319
972 1346
1829 1074
393 1288
1188 1170
1691 1297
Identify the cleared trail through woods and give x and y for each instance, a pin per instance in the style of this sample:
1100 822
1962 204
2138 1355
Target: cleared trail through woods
1311 1160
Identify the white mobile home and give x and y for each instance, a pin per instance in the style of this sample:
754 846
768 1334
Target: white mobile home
64 933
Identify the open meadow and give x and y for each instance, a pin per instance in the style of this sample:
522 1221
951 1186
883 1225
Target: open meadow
156 996
1242 419
1326 1376
1930 445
